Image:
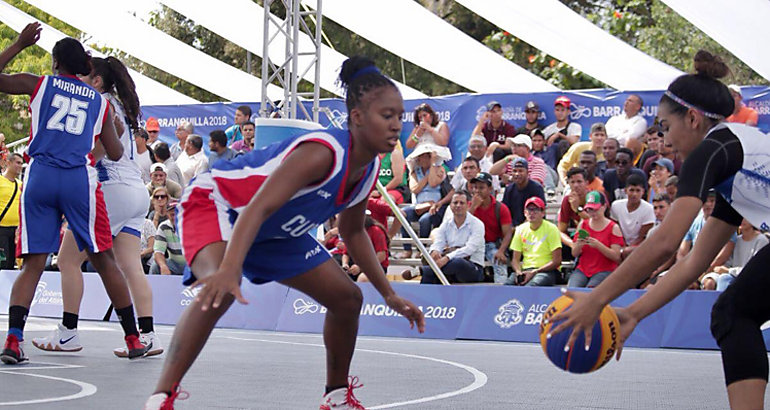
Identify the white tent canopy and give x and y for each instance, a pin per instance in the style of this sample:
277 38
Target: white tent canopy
409 30
150 91
246 29
555 29
741 27
122 31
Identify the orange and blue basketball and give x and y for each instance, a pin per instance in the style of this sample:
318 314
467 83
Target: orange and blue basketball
604 340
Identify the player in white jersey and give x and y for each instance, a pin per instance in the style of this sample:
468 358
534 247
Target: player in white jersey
127 201
734 160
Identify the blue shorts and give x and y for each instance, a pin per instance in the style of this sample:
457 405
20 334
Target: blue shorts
278 259
50 193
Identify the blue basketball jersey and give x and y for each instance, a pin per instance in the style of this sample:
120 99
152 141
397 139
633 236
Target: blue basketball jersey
238 180
67 117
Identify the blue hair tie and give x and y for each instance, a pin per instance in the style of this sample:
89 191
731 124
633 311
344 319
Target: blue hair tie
364 71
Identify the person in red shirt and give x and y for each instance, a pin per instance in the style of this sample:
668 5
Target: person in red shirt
598 242
495 129
497 224
378 236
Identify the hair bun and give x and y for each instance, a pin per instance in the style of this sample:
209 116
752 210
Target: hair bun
351 66
710 65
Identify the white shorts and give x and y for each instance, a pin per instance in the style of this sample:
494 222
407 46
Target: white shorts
126 207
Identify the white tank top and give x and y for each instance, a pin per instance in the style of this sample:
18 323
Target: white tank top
748 192
124 170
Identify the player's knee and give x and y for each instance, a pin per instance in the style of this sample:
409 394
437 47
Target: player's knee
349 302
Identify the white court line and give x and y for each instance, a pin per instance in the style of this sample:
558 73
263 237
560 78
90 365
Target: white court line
479 378
33 366
86 389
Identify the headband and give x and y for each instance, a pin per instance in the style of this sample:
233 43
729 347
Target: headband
684 103
366 70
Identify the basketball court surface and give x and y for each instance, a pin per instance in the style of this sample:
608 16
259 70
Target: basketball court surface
259 370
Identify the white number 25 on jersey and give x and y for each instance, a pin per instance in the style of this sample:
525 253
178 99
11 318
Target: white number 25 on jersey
73 109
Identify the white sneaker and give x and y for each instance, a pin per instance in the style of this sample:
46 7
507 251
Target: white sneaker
151 340
162 401
343 397
60 339
156 401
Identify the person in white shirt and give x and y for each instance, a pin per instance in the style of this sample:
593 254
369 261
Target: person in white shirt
183 130
458 247
143 156
629 125
635 217
193 160
748 244
477 148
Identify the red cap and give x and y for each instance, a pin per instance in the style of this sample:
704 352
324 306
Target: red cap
562 100
152 124
536 201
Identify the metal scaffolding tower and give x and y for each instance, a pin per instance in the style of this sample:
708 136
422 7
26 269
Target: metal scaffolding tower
288 71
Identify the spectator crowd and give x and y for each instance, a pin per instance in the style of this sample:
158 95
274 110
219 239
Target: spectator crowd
530 204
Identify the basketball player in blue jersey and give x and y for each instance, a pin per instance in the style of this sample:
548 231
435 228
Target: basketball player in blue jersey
280 194
734 160
127 201
69 120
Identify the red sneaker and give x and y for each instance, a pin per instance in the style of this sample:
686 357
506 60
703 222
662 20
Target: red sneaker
13 353
343 398
135 348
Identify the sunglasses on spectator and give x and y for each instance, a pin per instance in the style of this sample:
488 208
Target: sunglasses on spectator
160 196
532 209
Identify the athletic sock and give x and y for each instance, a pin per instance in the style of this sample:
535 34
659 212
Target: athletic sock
145 324
127 321
333 388
70 320
17 318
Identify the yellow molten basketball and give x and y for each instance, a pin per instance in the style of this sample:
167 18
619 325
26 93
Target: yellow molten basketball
604 340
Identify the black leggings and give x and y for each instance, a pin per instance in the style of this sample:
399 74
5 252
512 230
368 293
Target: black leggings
736 317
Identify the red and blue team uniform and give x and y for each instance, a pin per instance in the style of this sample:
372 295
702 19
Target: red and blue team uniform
285 245
67 119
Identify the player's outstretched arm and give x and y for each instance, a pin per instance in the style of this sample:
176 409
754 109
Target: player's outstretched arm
711 240
351 227
585 309
19 83
302 167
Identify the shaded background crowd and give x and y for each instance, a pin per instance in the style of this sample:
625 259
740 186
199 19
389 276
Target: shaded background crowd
530 203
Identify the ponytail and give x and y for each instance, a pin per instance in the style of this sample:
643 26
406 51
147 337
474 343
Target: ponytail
116 80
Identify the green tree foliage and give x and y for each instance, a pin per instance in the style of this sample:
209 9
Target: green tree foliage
648 25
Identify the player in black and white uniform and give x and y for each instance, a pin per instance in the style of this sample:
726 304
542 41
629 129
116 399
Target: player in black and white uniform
734 160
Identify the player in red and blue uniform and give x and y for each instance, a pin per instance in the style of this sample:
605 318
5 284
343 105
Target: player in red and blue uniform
252 216
69 120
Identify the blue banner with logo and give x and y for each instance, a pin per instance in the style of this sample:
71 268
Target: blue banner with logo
501 313
461 112
47 301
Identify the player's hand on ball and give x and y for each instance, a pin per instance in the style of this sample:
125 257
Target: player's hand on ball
216 287
627 325
408 310
581 316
